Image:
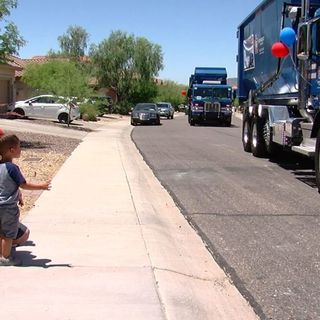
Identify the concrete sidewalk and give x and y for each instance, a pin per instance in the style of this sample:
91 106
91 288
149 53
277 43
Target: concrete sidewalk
108 242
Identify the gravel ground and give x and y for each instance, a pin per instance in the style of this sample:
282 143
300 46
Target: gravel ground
41 158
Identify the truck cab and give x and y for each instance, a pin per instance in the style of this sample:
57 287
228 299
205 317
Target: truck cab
209 96
210 103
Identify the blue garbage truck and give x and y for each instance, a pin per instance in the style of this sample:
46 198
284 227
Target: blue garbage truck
280 93
209 96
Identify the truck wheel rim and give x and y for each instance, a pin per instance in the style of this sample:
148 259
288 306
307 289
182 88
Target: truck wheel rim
254 136
267 133
245 133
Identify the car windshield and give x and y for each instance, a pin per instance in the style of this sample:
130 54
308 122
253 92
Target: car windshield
145 107
163 105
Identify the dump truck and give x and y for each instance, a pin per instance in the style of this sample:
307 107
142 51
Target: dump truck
210 97
280 93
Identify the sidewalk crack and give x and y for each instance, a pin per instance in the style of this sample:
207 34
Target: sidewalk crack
220 283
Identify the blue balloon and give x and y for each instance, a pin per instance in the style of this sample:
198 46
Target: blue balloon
288 36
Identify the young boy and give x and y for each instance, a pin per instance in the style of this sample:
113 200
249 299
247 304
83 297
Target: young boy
11 179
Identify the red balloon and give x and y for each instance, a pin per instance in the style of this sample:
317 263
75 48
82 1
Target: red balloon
184 92
279 50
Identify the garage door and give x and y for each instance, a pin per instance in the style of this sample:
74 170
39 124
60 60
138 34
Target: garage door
4 91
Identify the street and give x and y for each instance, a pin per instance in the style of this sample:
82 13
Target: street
258 217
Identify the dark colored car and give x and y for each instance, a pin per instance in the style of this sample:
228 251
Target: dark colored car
145 113
165 110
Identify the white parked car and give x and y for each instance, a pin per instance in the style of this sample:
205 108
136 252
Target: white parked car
47 107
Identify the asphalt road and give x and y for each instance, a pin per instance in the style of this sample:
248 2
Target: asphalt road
259 218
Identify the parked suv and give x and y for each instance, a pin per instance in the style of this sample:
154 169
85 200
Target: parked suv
47 107
165 110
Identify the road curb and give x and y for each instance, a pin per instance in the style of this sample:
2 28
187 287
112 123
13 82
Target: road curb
183 267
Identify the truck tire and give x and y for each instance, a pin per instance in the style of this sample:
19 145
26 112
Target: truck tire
258 146
317 161
246 134
227 123
268 138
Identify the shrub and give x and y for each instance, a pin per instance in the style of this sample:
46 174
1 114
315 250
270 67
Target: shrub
89 112
122 108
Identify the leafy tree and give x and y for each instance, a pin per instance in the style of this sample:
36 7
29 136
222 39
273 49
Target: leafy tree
10 39
58 77
148 58
127 64
143 91
170 91
73 44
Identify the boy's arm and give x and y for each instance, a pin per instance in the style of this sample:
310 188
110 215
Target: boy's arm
20 201
36 186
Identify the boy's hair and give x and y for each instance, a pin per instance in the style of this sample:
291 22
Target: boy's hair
7 142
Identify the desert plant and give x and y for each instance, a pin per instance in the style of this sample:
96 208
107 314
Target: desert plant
89 111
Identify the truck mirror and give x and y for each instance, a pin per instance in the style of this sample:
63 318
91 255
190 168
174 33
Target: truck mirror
303 48
234 94
315 36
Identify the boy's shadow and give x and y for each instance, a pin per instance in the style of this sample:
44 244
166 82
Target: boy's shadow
29 260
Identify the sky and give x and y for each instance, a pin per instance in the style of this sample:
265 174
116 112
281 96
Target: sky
199 33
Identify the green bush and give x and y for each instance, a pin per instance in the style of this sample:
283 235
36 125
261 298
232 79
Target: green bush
90 111
122 108
170 91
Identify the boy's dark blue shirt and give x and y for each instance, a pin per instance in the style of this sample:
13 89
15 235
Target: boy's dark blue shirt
11 179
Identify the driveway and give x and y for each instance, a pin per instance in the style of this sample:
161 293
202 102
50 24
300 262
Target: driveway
78 129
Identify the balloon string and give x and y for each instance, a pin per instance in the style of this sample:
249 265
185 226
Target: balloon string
296 68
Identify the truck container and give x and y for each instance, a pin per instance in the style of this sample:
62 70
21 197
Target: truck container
280 97
209 96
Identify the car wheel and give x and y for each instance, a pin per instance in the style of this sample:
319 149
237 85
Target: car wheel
168 117
172 116
19 111
192 122
133 123
63 118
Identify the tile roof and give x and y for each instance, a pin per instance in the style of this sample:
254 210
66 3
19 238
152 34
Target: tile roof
22 63
14 65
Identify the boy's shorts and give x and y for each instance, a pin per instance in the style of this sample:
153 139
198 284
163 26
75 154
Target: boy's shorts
9 220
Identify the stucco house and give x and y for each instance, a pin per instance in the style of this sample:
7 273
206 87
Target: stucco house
7 83
23 91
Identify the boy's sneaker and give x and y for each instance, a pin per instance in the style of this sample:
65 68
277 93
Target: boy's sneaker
8 262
